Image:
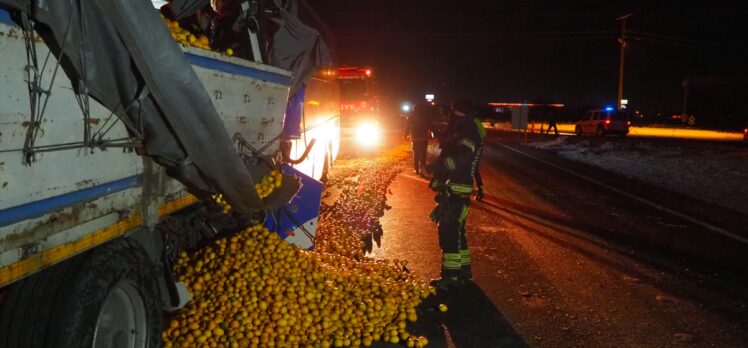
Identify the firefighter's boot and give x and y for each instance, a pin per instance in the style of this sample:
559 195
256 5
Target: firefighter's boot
450 279
466 273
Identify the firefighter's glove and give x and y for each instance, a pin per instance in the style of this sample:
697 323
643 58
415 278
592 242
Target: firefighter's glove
436 214
479 195
436 184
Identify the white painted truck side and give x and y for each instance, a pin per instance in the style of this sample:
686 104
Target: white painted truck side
68 201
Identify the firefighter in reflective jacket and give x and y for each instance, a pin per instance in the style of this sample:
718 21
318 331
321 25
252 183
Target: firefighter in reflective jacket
454 173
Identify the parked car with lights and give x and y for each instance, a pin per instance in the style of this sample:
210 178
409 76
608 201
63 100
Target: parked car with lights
603 122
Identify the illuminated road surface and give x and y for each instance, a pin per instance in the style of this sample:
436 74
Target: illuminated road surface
651 132
561 261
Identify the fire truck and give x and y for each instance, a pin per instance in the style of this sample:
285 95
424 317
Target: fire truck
359 104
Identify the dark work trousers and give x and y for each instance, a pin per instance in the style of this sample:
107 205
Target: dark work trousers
552 124
453 238
419 153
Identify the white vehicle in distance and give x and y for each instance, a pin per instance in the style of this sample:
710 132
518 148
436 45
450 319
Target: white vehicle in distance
603 122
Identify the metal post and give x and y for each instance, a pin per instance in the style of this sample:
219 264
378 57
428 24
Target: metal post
253 27
685 98
622 41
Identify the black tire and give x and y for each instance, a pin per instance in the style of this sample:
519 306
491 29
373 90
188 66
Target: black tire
60 306
578 130
600 132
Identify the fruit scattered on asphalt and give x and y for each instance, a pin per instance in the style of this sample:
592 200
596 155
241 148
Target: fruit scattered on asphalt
255 290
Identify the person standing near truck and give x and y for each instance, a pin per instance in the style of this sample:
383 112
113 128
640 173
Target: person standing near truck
454 173
418 128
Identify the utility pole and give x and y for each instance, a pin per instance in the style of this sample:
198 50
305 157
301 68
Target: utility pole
622 41
685 97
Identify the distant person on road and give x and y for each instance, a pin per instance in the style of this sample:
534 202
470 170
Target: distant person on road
418 128
454 173
552 123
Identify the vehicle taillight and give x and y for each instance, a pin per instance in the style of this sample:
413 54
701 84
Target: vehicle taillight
607 121
628 123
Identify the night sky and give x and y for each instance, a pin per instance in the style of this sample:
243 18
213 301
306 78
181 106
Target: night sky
539 51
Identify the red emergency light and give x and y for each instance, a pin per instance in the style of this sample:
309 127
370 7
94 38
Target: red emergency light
349 72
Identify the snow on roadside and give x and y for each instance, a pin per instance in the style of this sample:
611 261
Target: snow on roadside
717 175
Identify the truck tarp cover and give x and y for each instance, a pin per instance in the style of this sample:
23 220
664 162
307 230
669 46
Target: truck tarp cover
133 66
296 46
293 46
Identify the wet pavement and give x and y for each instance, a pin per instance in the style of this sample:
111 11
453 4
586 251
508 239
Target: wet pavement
560 260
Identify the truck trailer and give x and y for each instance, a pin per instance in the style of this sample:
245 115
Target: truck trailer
96 103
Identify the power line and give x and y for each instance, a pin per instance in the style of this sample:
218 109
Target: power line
451 36
683 42
571 36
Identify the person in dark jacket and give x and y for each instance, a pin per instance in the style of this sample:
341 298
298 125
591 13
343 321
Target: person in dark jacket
218 22
224 30
454 173
418 128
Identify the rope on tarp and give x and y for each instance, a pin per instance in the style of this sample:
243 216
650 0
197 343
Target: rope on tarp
39 96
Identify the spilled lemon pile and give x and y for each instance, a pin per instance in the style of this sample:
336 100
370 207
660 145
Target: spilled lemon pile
255 290
351 226
222 202
264 188
184 37
269 183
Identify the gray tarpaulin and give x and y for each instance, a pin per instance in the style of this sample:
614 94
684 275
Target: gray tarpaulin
133 66
293 46
296 46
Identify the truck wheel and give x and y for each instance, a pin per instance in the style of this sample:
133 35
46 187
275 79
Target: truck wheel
578 130
600 132
106 297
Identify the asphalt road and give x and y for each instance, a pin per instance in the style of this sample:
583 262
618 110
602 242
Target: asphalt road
563 260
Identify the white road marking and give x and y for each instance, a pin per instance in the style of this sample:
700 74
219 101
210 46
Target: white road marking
706 225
